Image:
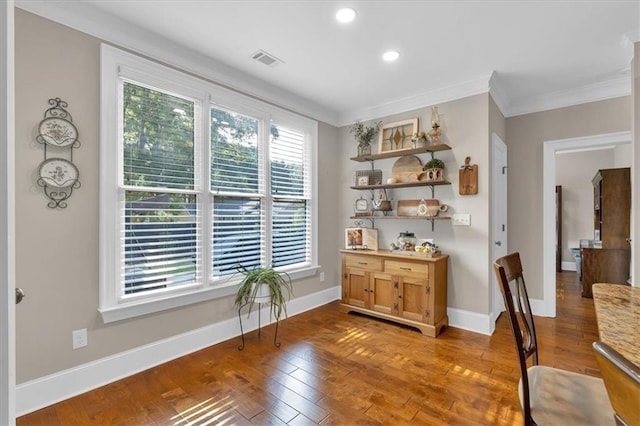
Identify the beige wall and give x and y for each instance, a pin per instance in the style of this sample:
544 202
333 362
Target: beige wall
526 135
57 250
465 123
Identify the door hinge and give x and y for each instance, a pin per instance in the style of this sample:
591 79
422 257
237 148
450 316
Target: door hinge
427 313
427 289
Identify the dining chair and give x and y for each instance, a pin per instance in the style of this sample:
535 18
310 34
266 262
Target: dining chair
548 395
622 380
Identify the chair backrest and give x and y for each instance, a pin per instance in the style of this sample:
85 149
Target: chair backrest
508 271
622 380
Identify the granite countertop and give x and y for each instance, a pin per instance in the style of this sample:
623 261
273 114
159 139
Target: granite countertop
618 315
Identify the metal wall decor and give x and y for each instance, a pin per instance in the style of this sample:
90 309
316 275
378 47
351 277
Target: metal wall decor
59 136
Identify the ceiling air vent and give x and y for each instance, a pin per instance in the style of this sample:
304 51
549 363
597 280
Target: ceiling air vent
266 58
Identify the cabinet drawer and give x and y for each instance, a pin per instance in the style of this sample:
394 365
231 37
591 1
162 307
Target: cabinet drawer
398 267
363 262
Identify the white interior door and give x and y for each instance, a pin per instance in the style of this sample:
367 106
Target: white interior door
7 229
499 216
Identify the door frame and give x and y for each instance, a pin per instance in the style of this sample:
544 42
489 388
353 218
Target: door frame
550 148
7 216
499 204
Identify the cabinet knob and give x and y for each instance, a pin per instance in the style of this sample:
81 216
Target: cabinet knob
399 296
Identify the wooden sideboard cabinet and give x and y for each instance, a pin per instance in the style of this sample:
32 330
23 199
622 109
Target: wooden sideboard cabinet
405 288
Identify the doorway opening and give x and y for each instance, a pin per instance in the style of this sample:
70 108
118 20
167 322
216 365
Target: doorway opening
550 149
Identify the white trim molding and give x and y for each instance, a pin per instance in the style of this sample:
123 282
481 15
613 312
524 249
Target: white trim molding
7 215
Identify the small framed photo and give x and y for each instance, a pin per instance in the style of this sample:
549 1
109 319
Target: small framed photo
362 180
361 238
397 136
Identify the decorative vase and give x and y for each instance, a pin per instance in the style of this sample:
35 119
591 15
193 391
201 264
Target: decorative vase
364 148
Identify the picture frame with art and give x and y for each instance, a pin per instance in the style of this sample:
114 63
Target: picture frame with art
397 136
361 238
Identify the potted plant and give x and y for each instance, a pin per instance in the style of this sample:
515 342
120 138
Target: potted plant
264 285
434 170
364 135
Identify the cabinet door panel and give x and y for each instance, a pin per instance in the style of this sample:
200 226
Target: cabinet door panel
356 286
413 298
381 293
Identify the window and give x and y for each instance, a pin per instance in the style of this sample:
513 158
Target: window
195 181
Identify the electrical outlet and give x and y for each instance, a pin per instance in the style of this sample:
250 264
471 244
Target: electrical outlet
321 277
79 338
460 219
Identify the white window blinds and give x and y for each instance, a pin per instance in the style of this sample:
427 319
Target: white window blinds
160 232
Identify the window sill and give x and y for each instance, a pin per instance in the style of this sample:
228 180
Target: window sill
220 290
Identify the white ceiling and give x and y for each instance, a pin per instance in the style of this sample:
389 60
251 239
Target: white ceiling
538 54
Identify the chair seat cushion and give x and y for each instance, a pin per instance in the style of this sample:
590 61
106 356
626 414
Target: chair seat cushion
564 397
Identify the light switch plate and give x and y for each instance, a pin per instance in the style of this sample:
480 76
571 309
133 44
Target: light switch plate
461 219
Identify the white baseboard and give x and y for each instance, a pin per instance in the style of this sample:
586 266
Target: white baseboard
568 266
472 321
47 390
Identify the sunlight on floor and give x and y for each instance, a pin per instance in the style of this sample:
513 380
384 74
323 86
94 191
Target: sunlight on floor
205 413
352 335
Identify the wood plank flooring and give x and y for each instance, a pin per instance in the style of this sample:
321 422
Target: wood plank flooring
341 369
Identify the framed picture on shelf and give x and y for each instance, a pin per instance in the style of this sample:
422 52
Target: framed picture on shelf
362 180
397 136
361 238
373 177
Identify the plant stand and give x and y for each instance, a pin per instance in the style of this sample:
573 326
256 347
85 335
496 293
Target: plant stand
275 336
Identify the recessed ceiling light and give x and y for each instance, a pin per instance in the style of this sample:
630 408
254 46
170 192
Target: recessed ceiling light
346 14
390 56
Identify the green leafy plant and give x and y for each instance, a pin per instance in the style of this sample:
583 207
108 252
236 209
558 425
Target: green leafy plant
364 133
434 163
279 284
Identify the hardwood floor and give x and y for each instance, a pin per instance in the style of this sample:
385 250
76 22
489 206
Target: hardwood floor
334 368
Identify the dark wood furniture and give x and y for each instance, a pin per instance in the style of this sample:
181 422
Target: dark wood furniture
548 395
609 261
600 265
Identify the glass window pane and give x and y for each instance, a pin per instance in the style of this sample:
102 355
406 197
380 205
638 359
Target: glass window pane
234 152
160 241
237 236
290 239
158 132
287 162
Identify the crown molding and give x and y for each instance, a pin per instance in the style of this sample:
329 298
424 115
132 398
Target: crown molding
498 93
613 88
87 19
421 100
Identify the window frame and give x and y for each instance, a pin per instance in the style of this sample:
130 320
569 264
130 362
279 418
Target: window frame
116 66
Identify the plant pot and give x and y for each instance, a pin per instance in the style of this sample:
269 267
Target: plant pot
263 295
434 175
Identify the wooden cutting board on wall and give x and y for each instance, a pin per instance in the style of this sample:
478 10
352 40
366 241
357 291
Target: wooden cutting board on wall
468 178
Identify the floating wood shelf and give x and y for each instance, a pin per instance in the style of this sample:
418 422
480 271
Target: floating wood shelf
401 152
